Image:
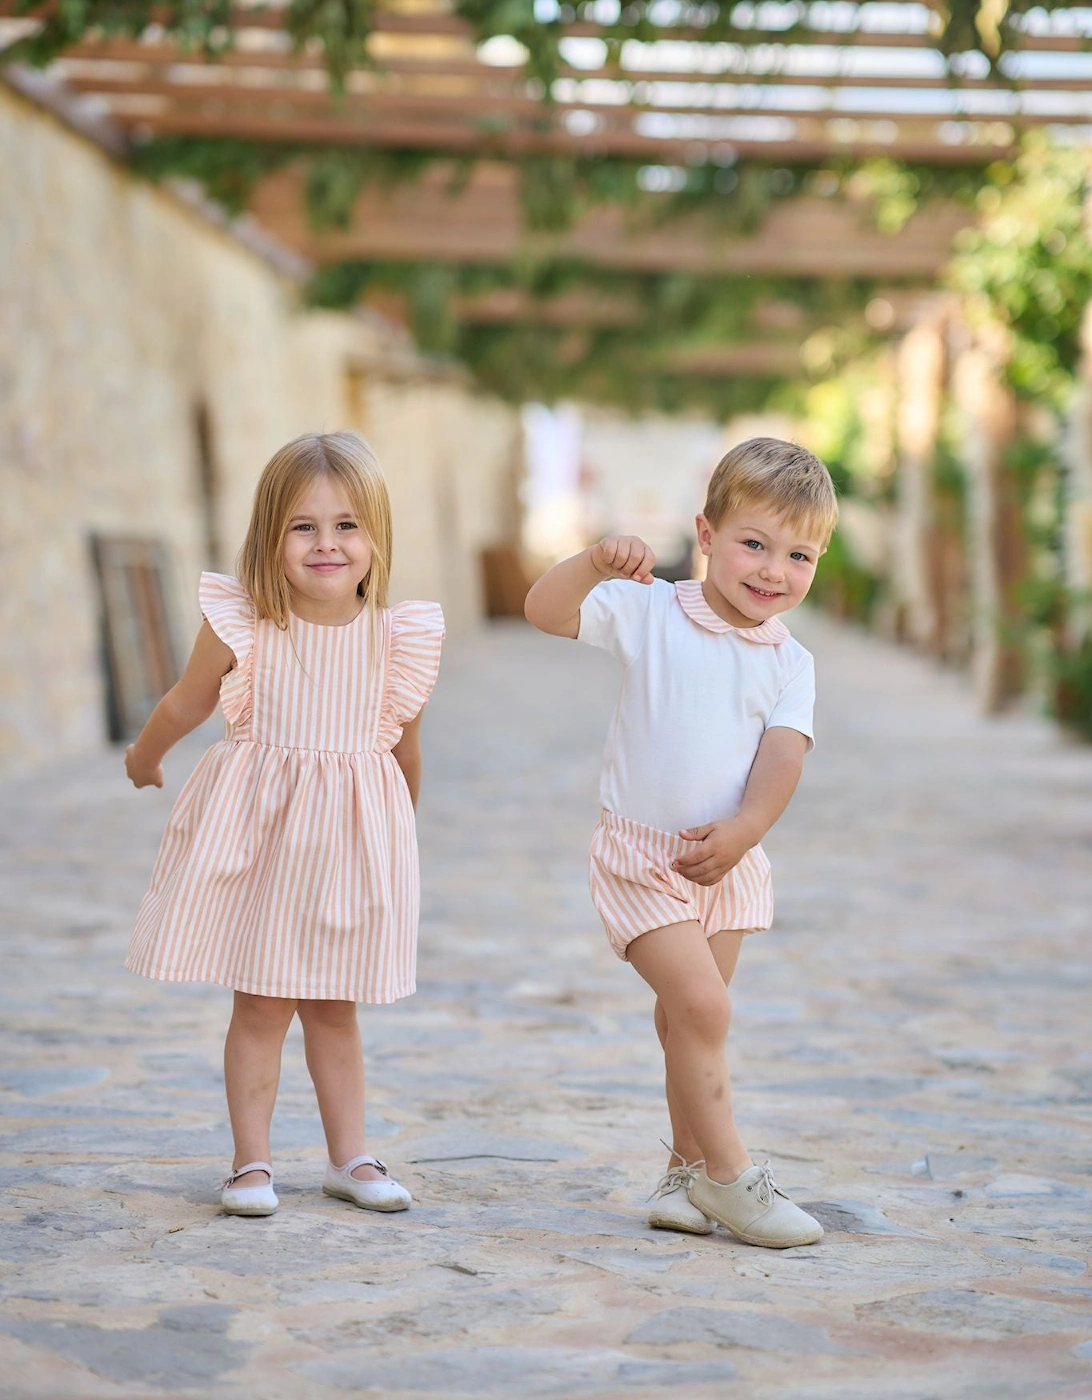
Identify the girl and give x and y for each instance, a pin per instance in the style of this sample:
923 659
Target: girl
288 870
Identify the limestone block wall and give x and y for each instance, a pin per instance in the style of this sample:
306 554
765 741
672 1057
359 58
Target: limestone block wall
451 458
130 328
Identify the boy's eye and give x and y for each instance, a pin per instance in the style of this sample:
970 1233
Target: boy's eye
752 544
800 555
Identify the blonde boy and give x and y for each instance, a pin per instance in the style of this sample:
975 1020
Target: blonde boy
704 752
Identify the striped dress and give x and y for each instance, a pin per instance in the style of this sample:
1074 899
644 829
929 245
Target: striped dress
289 863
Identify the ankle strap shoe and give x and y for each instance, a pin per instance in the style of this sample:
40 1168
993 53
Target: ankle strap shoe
249 1200
385 1194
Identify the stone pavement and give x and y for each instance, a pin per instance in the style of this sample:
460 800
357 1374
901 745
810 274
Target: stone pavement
911 1049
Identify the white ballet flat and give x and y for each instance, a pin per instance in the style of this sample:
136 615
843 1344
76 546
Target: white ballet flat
387 1194
249 1200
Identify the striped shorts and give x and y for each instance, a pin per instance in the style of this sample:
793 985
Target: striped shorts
635 890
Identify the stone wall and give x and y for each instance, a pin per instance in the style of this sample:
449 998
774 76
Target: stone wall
131 326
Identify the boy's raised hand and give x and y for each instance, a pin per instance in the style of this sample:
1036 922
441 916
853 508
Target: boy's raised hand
623 556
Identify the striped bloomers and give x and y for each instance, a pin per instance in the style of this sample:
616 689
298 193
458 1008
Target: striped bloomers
635 890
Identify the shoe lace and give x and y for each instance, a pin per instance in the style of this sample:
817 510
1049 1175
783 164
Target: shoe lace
766 1187
683 1175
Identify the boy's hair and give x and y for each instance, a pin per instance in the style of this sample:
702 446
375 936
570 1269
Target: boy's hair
782 475
347 461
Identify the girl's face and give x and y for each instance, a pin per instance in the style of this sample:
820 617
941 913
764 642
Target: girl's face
758 565
326 554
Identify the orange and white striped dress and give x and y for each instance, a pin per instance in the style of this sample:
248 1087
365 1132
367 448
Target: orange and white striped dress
289 863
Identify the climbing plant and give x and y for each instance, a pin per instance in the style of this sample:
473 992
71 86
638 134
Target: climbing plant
340 29
637 359
1025 268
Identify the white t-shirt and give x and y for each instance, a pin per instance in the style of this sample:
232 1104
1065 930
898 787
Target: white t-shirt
697 696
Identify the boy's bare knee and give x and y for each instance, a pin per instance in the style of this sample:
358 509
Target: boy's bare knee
704 1011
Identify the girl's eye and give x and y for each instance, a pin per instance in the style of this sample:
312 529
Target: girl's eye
303 526
346 525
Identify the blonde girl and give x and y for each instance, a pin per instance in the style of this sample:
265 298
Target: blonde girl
288 870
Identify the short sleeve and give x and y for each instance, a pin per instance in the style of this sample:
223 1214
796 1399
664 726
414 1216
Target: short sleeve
615 616
229 610
795 705
413 663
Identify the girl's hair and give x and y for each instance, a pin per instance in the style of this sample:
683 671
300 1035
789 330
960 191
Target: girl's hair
347 461
782 475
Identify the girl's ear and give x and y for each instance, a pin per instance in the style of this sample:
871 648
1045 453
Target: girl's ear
705 534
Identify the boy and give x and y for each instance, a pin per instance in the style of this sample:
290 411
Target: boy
704 752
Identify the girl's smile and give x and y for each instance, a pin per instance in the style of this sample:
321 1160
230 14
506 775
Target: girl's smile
326 556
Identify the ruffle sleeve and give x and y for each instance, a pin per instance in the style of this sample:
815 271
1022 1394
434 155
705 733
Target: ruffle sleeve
413 661
229 611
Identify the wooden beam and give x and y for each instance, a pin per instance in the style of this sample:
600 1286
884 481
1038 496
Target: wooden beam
483 224
750 358
444 24
441 137
480 108
171 56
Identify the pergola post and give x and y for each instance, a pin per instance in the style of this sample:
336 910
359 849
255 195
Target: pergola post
994 544
920 369
1077 523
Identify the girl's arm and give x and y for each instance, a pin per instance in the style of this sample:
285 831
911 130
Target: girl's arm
407 754
553 603
186 705
772 782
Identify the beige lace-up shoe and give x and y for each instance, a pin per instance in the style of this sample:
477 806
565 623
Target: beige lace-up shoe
671 1208
755 1209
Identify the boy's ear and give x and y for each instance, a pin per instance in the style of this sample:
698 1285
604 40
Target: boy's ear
705 534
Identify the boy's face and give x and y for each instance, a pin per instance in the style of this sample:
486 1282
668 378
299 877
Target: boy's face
758 565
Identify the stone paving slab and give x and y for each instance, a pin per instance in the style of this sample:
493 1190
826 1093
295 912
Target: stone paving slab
910 1046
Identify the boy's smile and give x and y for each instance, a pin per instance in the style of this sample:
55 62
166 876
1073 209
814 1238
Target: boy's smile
759 566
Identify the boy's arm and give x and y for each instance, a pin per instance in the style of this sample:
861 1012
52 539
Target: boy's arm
770 785
407 754
188 702
553 603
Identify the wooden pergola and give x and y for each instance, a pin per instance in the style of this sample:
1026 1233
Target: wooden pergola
792 83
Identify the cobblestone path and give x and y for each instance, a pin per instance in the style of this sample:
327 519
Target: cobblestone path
911 1049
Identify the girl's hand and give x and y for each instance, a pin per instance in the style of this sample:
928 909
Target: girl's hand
140 775
623 556
718 848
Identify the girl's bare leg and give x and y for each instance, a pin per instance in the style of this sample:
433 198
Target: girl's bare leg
725 947
252 1071
335 1059
679 965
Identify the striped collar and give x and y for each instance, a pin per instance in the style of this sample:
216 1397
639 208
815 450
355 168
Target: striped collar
692 601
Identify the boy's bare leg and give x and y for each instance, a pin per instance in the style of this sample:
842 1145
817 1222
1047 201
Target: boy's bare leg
725 947
679 965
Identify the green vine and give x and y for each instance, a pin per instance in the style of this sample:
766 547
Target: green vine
636 364
340 29
1025 270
